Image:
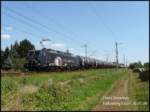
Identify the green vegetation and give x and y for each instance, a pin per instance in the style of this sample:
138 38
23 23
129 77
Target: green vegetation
139 65
139 93
78 90
16 53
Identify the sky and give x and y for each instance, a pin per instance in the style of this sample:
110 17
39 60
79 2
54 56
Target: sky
70 25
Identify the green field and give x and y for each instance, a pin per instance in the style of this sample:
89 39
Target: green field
77 90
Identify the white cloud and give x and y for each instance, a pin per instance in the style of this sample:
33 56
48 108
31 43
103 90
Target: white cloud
71 49
55 46
5 36
58 45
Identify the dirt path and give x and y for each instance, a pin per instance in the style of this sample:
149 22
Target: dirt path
117 99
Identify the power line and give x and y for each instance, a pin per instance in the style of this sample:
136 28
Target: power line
102 21
23 31
36 22
27 18
23 22
110 30
35 10
28 24
46 17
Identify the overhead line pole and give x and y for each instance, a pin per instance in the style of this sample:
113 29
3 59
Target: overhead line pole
124 59
116 44
85 46
86 51
117 54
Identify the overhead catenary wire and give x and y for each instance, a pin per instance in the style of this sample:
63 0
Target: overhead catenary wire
38 23
35 10
23 31
42 25
98 15
23 22
26 18
26 23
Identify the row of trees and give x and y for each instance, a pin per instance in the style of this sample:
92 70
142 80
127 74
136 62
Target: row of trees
16 53
139 65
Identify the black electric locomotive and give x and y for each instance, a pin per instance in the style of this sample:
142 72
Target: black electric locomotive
51 60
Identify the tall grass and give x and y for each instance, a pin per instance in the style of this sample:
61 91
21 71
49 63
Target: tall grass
139 93
59 91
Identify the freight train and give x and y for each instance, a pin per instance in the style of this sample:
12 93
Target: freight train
49 59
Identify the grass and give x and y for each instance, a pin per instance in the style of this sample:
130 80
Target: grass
76 90
139 93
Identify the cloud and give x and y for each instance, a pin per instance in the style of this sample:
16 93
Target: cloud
58 45
71 49
55 46
5 36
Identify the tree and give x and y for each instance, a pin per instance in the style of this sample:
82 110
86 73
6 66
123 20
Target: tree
7 64
24 46
139 64
16 54
136 65
146 65
14 50
2 57
6 53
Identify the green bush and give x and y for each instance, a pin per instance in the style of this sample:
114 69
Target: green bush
18 63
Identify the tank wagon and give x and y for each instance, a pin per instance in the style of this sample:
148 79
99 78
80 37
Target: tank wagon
48 59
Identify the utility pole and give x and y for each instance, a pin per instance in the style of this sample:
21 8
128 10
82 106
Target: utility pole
117 53
107 58
116 44
85 46
124 60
